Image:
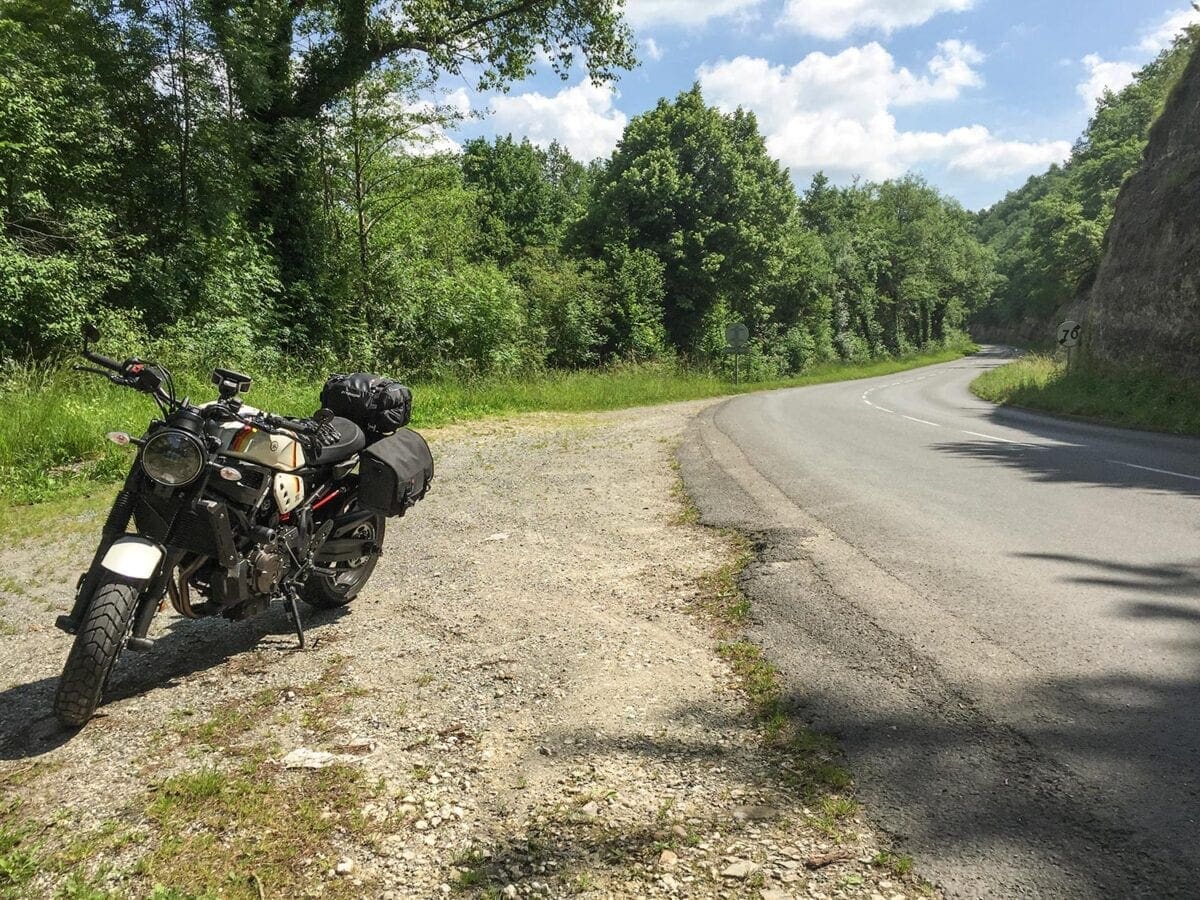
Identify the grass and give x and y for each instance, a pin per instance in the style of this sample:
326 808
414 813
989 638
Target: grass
1132 398
231 720
247 833
52 442
270 837
238 826
18 863
812 767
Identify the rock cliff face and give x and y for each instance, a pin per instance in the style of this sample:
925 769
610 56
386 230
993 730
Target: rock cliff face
1144 307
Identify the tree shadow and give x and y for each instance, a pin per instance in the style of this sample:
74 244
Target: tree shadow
28 727
1074 463
1099 796
1171 579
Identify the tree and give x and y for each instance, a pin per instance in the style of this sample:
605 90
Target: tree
59 249
696 188
1048 235
281 89
527 196
373 161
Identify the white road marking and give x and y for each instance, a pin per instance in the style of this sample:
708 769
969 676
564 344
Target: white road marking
1159 471
990 437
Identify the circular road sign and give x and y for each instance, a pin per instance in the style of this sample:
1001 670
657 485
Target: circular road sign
738 335
1068 333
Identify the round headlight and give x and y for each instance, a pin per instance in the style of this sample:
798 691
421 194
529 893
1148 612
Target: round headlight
173 458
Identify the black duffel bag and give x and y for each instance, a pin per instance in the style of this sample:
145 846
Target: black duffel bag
375 404
394 472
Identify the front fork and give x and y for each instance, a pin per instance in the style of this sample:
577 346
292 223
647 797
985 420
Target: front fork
115 526
119 517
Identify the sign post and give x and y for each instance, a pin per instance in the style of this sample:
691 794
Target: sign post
1068 337
738 336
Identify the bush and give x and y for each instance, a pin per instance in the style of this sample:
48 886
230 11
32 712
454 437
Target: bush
565 303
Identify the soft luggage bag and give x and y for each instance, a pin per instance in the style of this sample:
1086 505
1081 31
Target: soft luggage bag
375 404
395 472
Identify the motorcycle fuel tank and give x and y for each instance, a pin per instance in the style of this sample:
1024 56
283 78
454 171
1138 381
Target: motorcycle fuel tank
239 441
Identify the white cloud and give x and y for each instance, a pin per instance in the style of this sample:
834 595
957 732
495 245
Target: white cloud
582 118
653 50
952 71
834 19
835 113
432 138
1112 75
688 13
1158 36
1103 75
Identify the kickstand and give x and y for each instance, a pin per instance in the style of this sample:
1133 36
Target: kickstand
295 617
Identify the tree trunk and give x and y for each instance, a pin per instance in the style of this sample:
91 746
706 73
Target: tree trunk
364 288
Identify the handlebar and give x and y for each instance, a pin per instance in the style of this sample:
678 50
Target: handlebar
106 361
146 377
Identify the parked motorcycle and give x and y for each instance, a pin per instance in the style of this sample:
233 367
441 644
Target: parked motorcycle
233 509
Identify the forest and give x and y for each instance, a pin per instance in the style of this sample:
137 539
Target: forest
1048 236
261 185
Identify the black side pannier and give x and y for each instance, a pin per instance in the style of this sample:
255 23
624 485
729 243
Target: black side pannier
375 404
395 472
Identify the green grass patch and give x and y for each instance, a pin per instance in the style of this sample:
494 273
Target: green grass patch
812 766
1132 398
18 862
230 721
246 835
52 443
898 864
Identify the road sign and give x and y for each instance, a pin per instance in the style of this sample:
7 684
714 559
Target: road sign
738 336
1068 333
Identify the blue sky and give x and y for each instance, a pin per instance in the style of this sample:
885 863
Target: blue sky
975 95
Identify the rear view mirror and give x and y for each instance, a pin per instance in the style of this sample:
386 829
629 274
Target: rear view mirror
91 333
323 416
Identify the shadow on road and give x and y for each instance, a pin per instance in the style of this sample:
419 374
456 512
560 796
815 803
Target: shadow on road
1102 790
1069 463
1172 579
28 727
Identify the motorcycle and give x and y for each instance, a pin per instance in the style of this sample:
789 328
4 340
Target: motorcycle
234 509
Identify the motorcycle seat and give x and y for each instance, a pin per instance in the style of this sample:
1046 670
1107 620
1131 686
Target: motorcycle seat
350 440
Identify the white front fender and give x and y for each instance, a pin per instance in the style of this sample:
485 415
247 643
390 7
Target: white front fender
133 558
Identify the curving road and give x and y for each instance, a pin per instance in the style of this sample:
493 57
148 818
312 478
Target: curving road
998 612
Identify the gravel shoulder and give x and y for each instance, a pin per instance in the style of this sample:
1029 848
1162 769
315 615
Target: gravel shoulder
527 700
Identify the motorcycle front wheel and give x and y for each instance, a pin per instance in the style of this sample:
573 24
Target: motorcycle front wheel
98 642
338 589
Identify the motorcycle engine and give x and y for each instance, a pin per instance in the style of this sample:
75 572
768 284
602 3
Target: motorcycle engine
266 570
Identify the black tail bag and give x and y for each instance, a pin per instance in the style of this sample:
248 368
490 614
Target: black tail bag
376 404
395 472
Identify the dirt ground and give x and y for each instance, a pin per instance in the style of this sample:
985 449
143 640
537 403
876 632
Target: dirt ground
526 700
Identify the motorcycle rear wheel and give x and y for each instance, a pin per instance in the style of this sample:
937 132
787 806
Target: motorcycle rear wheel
332 591
98 642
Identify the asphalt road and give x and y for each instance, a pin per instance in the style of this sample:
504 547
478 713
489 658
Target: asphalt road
997 612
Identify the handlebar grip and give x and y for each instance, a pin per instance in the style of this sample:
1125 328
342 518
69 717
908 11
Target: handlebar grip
102 360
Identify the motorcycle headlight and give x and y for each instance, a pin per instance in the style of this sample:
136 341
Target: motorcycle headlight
173 458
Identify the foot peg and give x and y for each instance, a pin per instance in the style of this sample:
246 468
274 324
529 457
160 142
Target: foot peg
67 624
141 645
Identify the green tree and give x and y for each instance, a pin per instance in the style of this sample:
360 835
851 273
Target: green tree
289 59
697 189
1048 235
527 196
60 249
